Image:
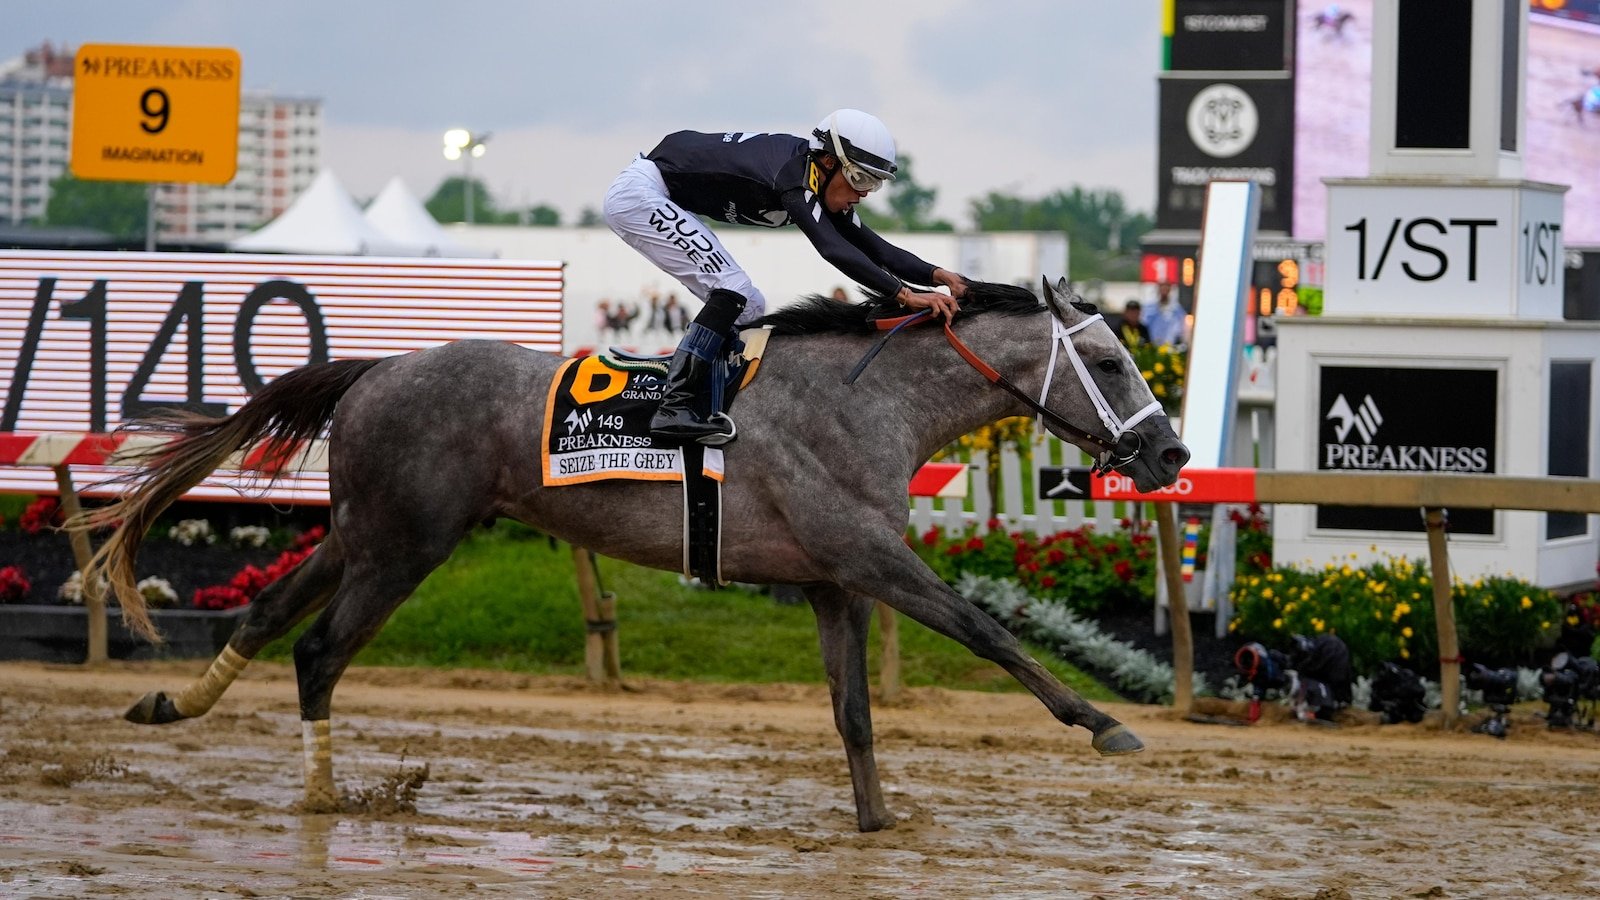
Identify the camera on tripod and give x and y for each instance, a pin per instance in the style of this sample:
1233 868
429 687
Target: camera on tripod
1499 687
1314 676
1571 687
1398 694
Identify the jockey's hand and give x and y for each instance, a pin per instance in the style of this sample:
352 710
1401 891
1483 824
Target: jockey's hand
941 304
957 283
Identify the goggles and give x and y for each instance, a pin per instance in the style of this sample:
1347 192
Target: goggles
859 178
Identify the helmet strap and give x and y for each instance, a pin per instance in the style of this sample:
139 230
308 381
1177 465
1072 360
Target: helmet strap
828 174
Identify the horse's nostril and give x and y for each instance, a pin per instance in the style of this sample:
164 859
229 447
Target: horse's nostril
1175 456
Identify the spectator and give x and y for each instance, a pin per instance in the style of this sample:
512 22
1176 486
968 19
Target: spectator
841 295
1132 331
1168 323
673 317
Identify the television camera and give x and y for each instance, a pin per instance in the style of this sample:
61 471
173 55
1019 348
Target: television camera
1571 687
1499 687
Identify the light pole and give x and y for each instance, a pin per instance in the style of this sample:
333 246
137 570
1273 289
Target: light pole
462 144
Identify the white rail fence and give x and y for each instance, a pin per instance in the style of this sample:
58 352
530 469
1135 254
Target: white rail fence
1019 509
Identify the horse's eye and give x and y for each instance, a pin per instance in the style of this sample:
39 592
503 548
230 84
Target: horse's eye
1110 366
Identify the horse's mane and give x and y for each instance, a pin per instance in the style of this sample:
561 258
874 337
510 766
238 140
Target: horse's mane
816 314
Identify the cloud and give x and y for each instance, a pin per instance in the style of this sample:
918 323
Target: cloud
1018 95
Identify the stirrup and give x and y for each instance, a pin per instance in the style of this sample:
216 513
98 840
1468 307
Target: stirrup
718 439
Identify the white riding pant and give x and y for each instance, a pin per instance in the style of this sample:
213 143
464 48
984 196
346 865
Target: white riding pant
638 209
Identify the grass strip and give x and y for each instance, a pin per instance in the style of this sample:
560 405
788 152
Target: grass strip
507 600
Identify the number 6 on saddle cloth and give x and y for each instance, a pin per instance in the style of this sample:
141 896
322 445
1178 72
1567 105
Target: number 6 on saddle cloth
597 428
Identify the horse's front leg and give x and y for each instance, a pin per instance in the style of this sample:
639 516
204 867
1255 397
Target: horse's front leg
842 622
895 575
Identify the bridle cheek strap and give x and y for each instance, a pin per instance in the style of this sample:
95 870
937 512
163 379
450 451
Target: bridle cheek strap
1061 336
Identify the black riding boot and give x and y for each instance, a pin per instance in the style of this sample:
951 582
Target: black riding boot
678 418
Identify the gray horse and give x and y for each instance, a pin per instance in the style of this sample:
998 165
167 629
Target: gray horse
427 445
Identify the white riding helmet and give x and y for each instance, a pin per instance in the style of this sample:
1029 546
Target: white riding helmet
862 143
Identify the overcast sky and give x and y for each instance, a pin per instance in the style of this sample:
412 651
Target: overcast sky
1023 96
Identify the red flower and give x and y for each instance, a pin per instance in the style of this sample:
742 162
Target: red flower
1048 581
219 596
953 550
1124 570
994 524
975 543
310 537
931 536
14 585
1055 557
250 581
41 514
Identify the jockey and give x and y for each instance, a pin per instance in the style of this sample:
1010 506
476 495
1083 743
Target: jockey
768 180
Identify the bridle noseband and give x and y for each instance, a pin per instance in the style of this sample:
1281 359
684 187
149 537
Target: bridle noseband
1114 452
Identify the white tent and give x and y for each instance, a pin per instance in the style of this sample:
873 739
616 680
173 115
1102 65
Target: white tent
399 214
324 220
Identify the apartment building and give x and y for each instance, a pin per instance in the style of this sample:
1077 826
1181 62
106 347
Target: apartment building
35 130
280 141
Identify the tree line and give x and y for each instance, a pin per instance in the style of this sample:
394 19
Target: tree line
1103 232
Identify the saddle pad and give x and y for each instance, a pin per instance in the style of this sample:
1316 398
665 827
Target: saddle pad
597 427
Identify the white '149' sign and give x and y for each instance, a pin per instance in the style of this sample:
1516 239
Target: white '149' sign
1416 249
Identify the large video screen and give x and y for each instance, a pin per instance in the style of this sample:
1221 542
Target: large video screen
1333 99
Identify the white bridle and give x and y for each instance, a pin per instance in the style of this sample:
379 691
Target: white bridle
1061 336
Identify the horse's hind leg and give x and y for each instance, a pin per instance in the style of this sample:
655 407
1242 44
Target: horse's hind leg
842 622
369 593
274 611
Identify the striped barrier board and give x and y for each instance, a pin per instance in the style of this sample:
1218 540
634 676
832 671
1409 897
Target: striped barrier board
940 480
102 451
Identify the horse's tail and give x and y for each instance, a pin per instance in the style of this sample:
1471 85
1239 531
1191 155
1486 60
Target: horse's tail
294 408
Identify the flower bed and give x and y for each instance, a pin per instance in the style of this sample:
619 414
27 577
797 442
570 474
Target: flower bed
1080 568
195 582
1384 612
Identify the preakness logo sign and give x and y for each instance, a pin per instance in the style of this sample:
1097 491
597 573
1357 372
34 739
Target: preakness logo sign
1392 419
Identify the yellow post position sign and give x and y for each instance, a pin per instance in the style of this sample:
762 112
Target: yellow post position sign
155 113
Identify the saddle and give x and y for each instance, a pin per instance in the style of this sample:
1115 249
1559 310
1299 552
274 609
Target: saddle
597 428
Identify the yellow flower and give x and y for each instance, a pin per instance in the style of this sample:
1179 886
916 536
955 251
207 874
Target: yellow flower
1160 368
1404 653
1526 603
1406 631
1277 623
1148 375
1318 625
1234 625
1266 593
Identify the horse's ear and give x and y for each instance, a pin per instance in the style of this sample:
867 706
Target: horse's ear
1057 298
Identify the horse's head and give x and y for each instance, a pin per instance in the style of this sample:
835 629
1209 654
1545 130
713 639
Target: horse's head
1093 378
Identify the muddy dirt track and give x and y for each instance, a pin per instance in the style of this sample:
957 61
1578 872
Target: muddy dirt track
546 788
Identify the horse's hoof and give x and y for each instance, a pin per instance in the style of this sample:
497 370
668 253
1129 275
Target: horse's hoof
1117 740
877 822
153 708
